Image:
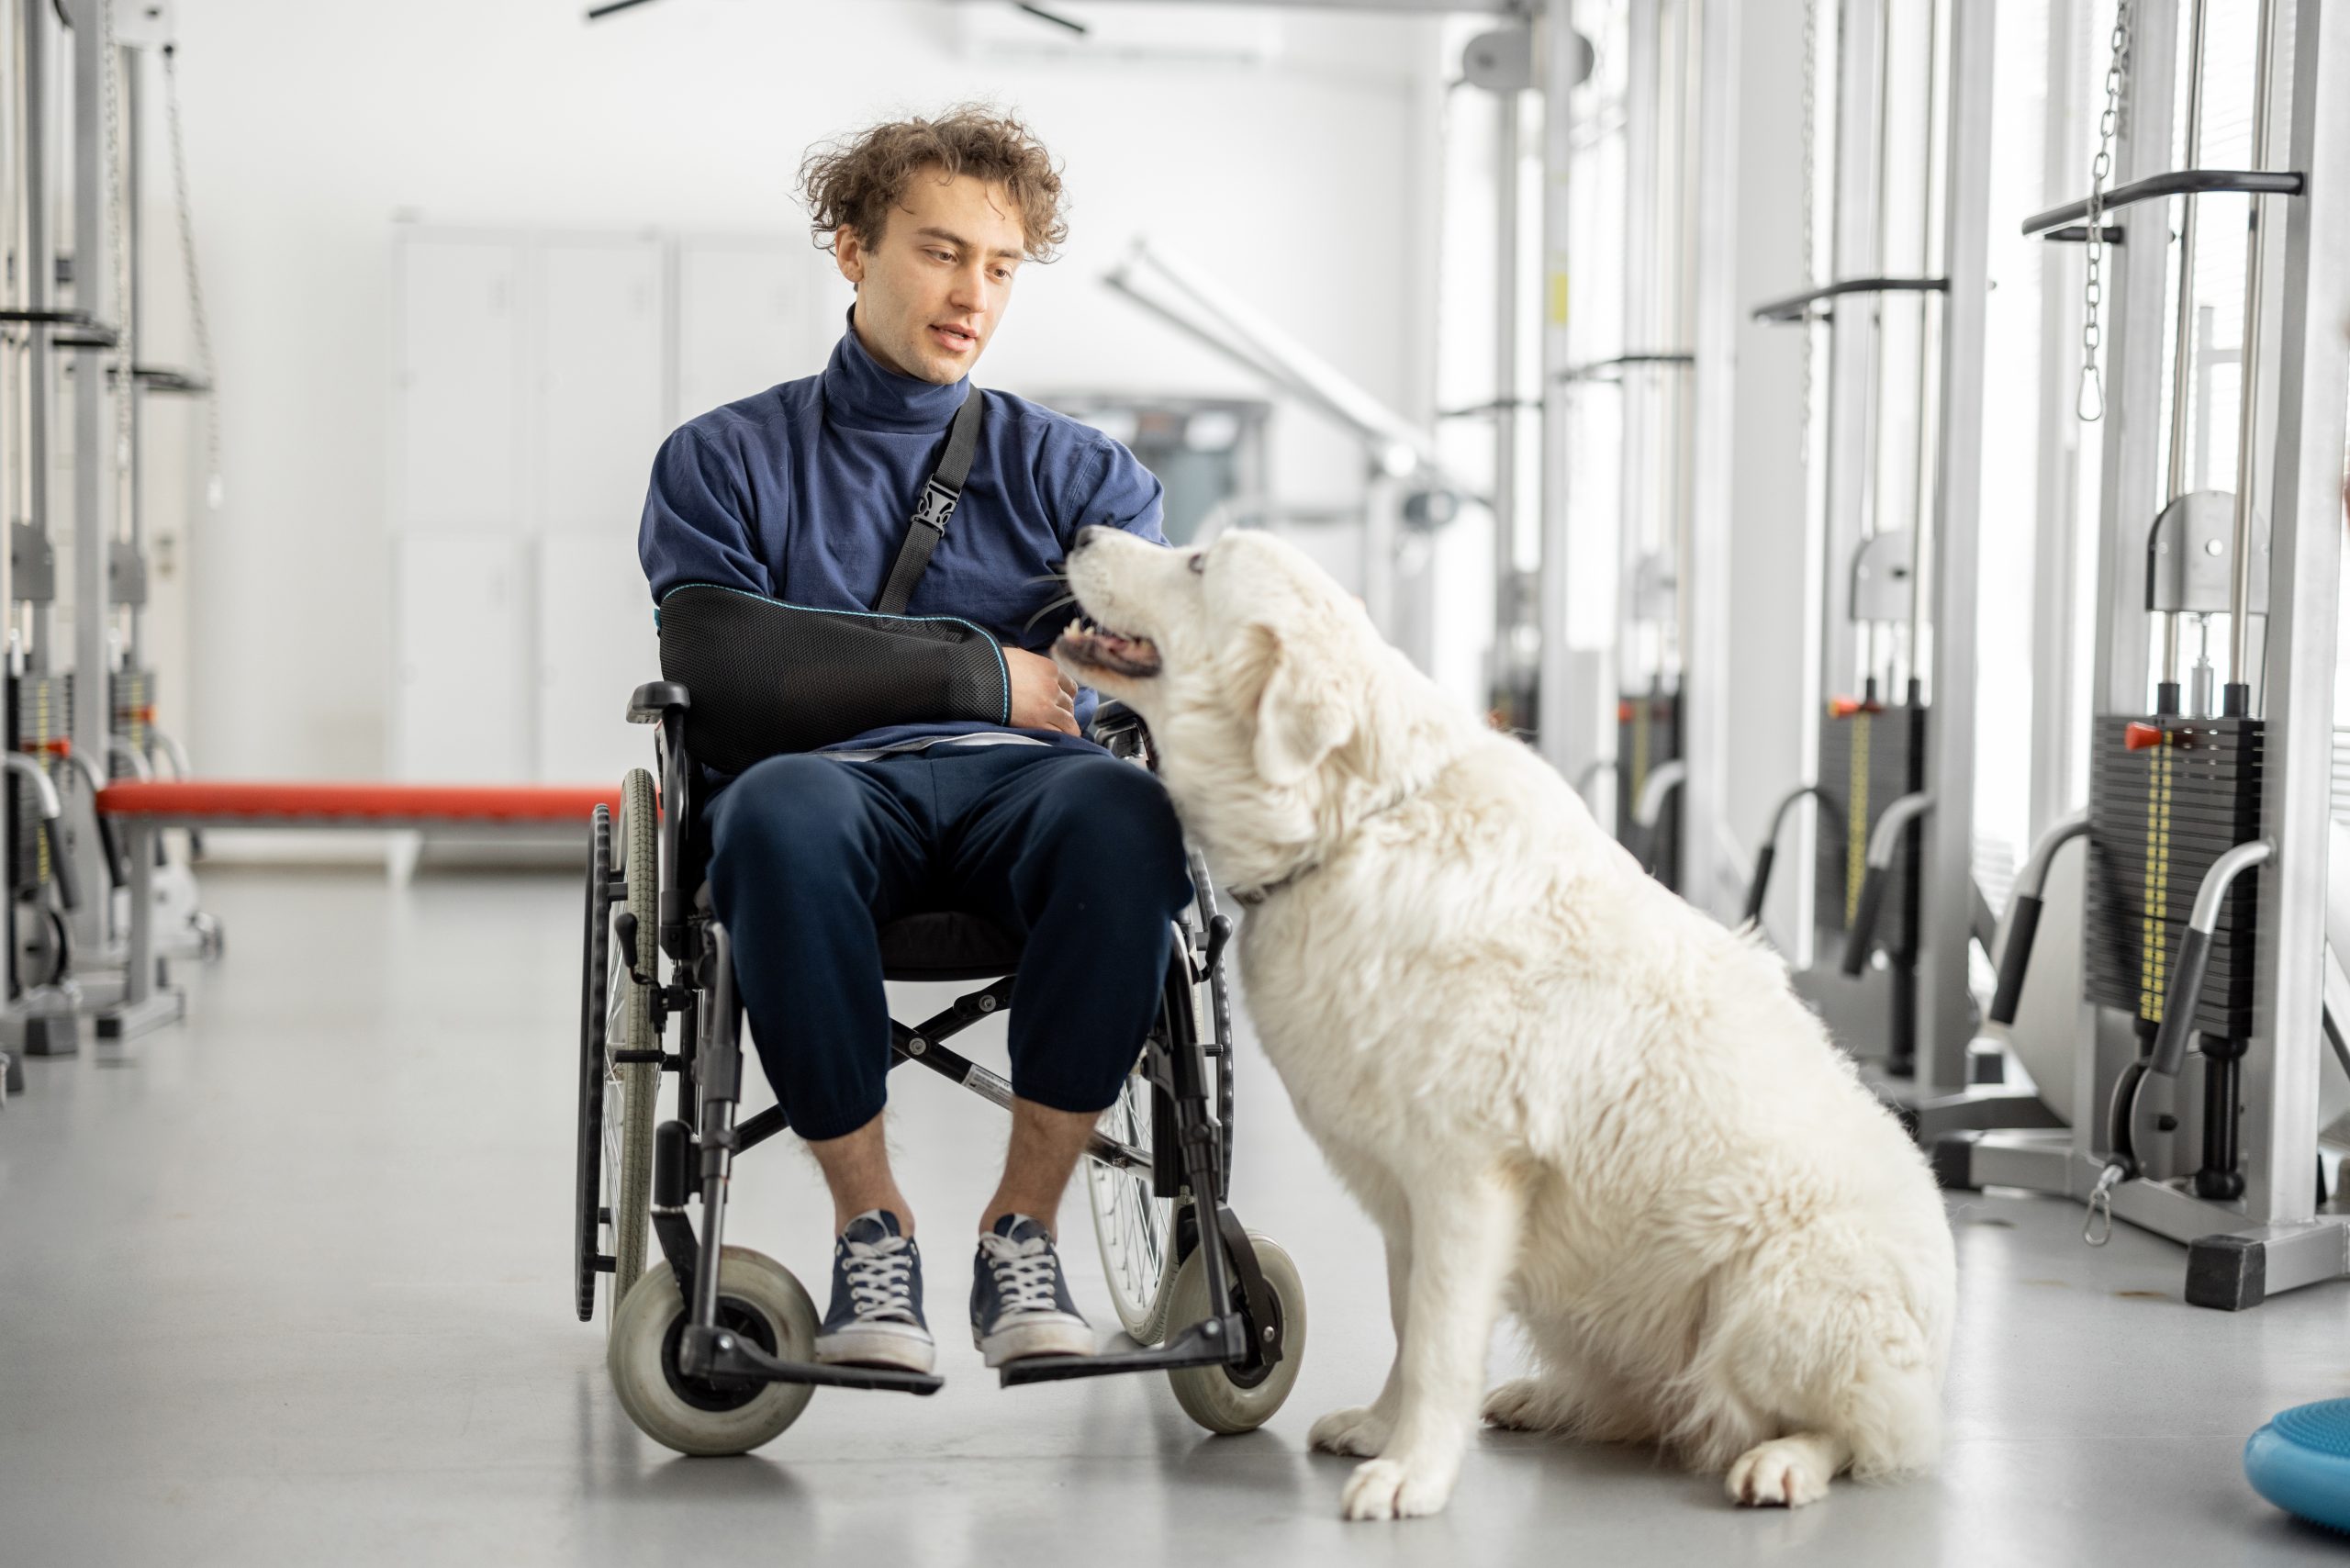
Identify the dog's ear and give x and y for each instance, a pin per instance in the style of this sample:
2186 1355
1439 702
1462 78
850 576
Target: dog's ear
1301 717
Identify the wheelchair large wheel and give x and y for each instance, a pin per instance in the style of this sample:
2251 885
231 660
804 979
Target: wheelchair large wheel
1236 1399
631 1088
1134 1227
588 1214
757 1298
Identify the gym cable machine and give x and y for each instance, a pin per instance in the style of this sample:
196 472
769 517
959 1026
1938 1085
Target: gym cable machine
2204 952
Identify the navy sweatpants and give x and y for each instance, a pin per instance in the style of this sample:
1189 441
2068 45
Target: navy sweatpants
1075 853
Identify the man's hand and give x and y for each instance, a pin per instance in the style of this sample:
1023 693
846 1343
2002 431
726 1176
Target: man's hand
1042 697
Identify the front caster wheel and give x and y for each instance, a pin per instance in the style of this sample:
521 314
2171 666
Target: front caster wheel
1227 1399
757 1298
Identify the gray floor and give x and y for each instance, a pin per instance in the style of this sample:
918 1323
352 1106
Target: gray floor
289 1284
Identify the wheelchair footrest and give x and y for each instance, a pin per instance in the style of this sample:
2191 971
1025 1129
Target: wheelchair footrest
729 1356
1195 1347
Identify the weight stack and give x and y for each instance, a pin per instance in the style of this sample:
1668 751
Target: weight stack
1647 735
1868 759
133 694
2158 817
40 715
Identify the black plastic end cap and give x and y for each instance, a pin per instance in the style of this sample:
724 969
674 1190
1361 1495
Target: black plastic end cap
2015 959
1953 1158
52 1034
1759 891
2227 1273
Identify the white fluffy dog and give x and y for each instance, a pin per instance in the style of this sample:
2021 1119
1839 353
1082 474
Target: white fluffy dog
1555 1086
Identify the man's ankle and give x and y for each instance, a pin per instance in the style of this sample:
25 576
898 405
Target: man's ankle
897 1208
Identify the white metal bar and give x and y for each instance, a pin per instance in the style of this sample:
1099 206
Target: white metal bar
1560 65
2280 1073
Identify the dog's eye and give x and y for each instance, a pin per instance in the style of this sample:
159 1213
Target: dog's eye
1199 566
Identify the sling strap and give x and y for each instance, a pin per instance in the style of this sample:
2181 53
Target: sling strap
939 495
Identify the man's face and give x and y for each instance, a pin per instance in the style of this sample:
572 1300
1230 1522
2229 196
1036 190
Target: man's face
930 292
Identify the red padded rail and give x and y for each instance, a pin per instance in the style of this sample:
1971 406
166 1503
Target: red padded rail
356 803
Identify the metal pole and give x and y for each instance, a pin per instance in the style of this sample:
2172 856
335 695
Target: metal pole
136 634
2280 1073
95 474
1921 552
1852 341
2182 362
1714 323
1946 899
1639 499
2248 373
1510 610
40 271
1560 64
2055 718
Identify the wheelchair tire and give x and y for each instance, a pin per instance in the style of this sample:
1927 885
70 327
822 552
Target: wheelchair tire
1228 1400
588 1214
1133 1228
758 1298
632 1091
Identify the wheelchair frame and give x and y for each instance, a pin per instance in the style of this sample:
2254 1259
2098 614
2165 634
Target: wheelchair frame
1190 1156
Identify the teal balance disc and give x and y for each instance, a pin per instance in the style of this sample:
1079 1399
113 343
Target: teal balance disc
2301 1462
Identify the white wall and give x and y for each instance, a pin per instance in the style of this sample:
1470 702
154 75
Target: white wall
310 127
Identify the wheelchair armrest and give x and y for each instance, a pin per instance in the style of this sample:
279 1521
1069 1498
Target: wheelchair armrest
655 698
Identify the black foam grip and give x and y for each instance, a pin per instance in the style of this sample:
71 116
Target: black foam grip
2016 960
2179 1008
69 890
1858 940
1760 888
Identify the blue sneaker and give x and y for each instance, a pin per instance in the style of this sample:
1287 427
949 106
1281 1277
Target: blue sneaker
875 1318
1020 1304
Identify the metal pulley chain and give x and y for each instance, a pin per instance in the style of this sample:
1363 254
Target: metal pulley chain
198 320
2092 403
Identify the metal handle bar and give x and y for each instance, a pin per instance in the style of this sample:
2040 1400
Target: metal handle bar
2024 924
1882 845
1796 306
2178 182
2195 954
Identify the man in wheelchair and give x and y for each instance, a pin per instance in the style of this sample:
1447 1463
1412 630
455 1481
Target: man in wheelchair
801 494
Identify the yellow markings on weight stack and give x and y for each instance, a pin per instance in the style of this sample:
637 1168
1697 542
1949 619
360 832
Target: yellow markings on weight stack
1856 820
2154 956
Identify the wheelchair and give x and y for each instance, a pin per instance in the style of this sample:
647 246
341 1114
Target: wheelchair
710 1346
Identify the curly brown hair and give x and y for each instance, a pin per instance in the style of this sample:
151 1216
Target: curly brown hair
853 182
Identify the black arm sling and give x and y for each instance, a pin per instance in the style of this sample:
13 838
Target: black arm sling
769 677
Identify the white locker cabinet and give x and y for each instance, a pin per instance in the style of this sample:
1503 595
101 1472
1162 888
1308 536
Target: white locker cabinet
600 405
596 645
536 376
458 429
465 656
751 312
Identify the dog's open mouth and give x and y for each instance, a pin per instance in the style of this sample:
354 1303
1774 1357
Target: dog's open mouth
1114 650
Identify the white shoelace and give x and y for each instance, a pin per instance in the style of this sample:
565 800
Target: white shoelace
881 1277
1025 1272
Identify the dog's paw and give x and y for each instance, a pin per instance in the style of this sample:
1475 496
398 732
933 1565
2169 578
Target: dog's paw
1397 1489
1784 1473
1522 1405
1361 1430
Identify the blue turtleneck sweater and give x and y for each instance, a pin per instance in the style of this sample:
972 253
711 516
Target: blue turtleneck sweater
803 494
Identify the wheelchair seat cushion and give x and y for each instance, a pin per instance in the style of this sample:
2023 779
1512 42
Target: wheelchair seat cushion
946 945
769 677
